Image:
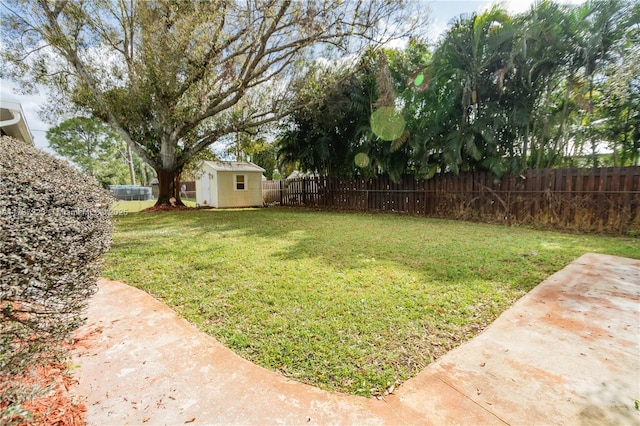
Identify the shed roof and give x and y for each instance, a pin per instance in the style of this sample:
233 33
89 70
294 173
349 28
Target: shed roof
234 166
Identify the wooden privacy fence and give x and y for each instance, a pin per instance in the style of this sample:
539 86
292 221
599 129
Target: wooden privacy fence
603 199
273 191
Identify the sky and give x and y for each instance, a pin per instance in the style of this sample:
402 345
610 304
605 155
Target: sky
442 12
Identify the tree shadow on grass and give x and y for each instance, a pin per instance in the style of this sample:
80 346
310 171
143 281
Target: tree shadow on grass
436 250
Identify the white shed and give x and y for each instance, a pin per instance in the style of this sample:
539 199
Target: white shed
224 184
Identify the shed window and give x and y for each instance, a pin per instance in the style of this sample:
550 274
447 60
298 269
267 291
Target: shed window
241 182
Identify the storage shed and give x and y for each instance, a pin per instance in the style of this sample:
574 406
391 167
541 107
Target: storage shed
225 184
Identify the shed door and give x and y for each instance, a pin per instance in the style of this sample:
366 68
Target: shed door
205 193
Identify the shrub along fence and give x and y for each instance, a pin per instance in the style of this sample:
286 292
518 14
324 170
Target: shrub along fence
603 199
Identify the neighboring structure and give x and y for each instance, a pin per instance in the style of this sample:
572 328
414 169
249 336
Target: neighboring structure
131 192
13 122
226 184
297 174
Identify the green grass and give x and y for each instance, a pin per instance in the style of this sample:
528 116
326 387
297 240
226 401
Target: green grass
347 302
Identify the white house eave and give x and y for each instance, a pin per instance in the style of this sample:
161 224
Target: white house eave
15 120
15 123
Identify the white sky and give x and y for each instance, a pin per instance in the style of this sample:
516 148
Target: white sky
442 12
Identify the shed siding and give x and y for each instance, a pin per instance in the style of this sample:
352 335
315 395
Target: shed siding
228 196
198 189
222 185
214 181
254 189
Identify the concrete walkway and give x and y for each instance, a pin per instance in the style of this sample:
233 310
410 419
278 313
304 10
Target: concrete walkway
566 353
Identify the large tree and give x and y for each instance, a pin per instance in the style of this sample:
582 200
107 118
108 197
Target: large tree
599 37
94 148
620 103
325 135
335 134
511 93
173 77
498 93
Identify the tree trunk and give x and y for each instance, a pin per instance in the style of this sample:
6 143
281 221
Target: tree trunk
132 173
144 179
169 188
525 148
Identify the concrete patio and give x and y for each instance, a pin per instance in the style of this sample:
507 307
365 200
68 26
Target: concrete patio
568 352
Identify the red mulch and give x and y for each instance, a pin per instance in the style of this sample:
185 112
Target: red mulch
166 208
56 407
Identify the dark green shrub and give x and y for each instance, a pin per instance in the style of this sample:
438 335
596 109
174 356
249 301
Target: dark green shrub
55 225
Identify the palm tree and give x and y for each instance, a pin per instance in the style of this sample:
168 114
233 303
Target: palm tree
599 28
540 90
469 69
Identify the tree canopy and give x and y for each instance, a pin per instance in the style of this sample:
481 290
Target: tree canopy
549 87
173 77
98 151
94 148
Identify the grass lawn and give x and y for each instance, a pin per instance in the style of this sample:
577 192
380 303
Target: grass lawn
348 302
